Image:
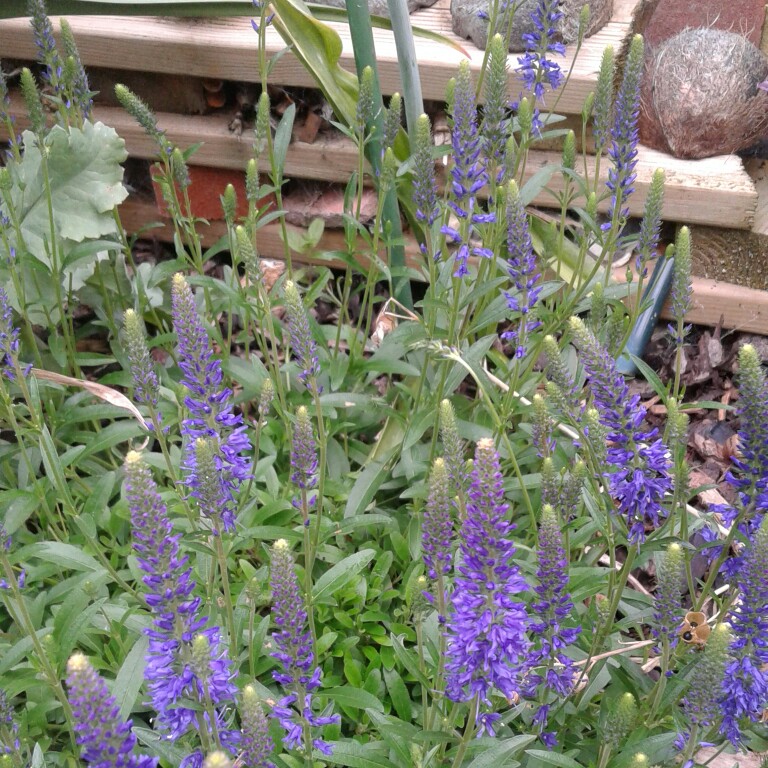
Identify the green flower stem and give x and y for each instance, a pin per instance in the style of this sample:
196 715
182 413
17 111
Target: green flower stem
225 588
661 683
616 591
692 745
425 708
365 56
321 470
202 729
309 550
469 732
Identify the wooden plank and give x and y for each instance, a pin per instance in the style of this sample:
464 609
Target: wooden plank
716 191
717 303
713 302
758 171
739 308
226 48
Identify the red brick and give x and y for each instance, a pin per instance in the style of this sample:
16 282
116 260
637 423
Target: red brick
206 189
672 16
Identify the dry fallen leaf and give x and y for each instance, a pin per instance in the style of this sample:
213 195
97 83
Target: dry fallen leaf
107 394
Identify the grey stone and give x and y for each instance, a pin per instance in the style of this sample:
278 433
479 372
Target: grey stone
467 21
380 7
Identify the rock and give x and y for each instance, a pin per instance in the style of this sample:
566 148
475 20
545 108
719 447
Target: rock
467 20
700 96
380 7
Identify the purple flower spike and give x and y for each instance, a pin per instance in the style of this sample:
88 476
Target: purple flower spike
624 135
638 472
299 675
9 341
304 346
535 67
522 271
486 626
210 410
105 741
47 53
185 662
554 606
9 740
750 474
468 174
256 744
745 685
303 452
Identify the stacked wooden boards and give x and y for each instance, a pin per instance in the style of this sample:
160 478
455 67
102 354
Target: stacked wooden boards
716 191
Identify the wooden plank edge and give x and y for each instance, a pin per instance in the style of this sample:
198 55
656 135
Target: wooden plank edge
716 191
226 48
713 302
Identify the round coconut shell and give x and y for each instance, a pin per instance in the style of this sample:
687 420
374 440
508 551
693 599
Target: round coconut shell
469 19
700 94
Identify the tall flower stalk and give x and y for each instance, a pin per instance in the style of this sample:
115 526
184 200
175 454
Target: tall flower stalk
553 670
522 271
624 138
210 413
188 673
638 472
745 685
468 175
437 530
536 67
299 675
104 739
486 625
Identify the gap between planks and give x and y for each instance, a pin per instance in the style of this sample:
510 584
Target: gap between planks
716 191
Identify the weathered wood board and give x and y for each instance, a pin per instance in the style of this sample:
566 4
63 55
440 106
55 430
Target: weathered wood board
716 191
226 48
